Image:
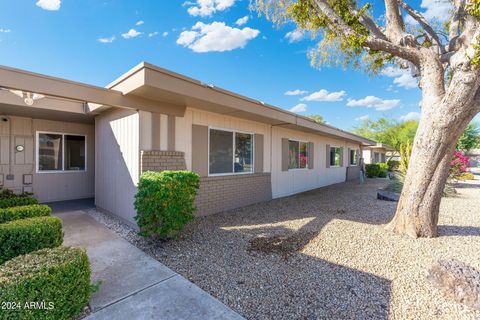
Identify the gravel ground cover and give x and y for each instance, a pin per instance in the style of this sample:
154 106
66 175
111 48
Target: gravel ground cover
322 254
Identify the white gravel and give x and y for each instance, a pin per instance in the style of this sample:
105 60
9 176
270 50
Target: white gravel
340 263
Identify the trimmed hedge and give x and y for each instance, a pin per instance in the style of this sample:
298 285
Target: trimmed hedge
17 201
376 170
393 165
22 212
27 235
56 280
164 202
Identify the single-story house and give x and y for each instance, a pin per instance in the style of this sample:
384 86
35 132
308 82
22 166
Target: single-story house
377 153
66 140
474 157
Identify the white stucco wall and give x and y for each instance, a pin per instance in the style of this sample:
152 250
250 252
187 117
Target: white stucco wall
289 182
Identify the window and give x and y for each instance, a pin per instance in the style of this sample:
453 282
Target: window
298 154
74 152
353 157
230 152
335 153
382 157
50 152
61 152
376 157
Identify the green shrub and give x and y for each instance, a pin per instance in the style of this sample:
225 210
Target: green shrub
393 165
27 235
371 170
465 176
22 212
164 202
382 173
382 166
59 278
17 201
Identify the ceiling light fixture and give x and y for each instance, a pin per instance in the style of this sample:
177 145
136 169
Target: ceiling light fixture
29 98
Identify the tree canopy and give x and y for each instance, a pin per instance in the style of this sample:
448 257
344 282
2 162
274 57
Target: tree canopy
397 134
470 138
317 118
387 131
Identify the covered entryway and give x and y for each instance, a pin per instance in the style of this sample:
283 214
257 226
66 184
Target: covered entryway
47 146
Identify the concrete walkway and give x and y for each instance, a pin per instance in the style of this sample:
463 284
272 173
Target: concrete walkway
134 285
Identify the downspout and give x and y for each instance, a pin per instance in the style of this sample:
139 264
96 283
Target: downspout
10 144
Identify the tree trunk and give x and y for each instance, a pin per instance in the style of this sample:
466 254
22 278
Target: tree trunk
439 129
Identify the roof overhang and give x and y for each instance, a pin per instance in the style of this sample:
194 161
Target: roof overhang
154 83
60 88
381 146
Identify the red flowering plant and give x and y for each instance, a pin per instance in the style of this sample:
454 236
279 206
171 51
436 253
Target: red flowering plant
303 160
459 164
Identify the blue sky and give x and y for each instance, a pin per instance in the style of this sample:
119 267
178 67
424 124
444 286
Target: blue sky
96 41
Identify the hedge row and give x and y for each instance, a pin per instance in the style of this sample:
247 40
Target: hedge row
28 235
22 212
17 201
376 170
56 281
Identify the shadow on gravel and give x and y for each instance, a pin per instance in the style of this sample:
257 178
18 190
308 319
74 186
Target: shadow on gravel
321 289
461 185
458 231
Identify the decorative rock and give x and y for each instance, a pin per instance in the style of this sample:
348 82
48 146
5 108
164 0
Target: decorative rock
458 280
387 195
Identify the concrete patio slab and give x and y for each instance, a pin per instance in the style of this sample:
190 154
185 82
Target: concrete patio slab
134 285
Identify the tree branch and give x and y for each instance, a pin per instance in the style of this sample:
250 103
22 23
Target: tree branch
337 24
457 18
424 23
395 28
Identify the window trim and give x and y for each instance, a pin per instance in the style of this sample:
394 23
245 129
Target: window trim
233 156
350 160
308 164
330 153
63 134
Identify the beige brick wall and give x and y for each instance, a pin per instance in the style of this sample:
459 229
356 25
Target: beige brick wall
229 192
162 160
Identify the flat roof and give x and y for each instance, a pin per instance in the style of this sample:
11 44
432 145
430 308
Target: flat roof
153 82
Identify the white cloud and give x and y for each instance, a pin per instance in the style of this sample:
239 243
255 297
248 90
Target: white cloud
241 21
50 5
132 33
139 22
410 116
301 107
295 36
324 95
152 34
433 9
374 102
164 34
362 118
5 30
215 36
106 40
402 77
295 92
205 8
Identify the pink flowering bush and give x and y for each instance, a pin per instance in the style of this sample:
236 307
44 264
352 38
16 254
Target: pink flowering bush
459 164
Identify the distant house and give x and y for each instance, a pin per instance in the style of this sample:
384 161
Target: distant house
66 140
474 155
378 153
